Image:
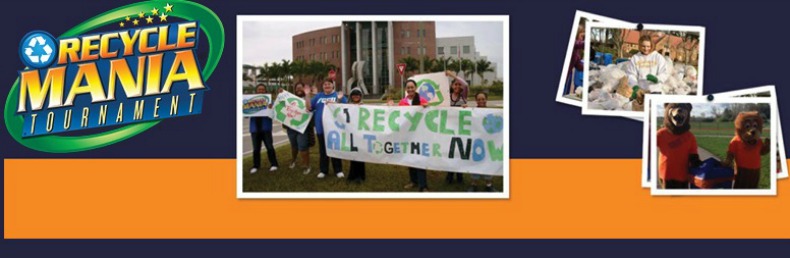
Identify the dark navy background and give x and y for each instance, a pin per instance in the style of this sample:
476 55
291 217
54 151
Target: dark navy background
746 47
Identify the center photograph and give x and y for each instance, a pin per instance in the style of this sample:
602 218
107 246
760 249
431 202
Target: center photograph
372 107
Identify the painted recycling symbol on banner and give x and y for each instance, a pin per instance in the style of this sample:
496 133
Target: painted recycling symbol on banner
291 110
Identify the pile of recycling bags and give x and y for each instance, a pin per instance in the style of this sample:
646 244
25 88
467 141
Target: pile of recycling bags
611 90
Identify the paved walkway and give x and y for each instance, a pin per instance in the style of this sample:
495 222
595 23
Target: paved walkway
705 154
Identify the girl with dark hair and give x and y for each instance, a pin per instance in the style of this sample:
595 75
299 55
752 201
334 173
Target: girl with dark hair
300 144
482 100
417 176
459 89
356 172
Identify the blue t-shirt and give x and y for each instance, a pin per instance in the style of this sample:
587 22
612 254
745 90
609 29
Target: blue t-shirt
317 105
265 123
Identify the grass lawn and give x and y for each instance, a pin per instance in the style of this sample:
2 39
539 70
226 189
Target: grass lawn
718 146
492 97
717 128
380 177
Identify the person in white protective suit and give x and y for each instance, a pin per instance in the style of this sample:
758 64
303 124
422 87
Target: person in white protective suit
647 67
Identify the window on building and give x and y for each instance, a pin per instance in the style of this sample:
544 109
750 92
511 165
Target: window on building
408 50
408 33
440 51
453 50
466 49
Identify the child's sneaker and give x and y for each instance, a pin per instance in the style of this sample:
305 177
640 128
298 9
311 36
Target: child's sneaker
274 168
321 175
292 166
306 171
340 174
253 170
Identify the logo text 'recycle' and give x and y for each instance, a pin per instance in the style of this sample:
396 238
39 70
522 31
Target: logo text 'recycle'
131 77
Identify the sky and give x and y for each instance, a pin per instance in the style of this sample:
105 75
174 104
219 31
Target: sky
266 41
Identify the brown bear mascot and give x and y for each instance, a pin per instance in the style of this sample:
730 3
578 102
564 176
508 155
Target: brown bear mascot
677 147
746 148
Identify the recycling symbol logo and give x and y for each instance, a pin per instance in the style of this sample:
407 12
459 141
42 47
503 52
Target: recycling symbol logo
37 49
429 90
281 114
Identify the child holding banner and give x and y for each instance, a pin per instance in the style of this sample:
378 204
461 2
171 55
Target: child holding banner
356 173
300 144
317 105
261 131
482 101
459 89
418 176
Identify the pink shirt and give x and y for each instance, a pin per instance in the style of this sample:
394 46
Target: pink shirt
407 102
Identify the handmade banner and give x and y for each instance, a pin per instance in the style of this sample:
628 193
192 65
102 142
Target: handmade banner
434 87
291 110
256 105
468 140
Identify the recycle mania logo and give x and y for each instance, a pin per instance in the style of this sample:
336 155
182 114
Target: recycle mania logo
131 77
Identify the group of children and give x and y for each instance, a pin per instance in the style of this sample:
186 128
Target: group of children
261 131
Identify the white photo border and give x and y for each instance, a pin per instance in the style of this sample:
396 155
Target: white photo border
646 152
637 114
505 194
661 99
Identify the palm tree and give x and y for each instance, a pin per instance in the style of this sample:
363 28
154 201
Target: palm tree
483 66
317 71
298 69
286 72
441 63
412 64
263 73
429 64
468 67
454 65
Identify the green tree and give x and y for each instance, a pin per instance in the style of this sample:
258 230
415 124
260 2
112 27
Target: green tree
483 66
412 64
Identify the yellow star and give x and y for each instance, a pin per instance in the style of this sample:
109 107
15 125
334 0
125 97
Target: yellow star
127 18
135 22
121 24
154 11
149 20
141 15
168 7
163 17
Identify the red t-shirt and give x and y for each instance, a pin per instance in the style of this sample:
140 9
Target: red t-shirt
746 156
674 151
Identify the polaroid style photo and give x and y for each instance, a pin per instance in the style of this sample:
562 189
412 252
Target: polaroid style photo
762 91
721 146
628 62
571 86
360 57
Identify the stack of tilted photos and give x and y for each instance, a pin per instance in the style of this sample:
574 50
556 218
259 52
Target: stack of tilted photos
708 144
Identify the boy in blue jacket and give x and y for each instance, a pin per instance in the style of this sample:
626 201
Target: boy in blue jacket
329 95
